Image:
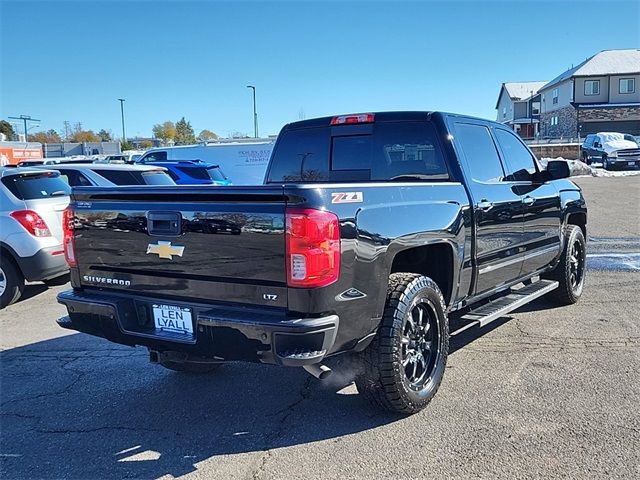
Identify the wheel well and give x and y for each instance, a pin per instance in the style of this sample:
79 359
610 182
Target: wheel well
579 219
433 261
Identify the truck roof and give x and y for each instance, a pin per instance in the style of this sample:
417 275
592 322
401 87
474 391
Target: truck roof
379 117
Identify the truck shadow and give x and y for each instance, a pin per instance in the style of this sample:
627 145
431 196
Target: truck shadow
80 407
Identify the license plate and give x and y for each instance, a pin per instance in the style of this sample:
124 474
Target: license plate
631 164
171 318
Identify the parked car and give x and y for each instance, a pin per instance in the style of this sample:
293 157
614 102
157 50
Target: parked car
105 174
371 230
613 150
41 162
31 204
193 172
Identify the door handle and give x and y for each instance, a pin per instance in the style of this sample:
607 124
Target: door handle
485 205
528 200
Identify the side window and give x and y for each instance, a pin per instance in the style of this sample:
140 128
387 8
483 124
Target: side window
74 178
588 141
155 157
480 152
119 177
519 161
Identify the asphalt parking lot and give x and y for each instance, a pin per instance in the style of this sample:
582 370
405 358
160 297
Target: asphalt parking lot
546 392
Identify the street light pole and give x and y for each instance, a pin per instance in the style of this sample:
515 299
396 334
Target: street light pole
121 100
255 114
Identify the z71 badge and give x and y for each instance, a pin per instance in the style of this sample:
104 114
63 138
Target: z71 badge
346 197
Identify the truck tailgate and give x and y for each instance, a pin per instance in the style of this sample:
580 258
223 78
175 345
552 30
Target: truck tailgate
214 244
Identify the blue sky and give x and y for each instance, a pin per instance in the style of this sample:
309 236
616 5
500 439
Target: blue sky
170 59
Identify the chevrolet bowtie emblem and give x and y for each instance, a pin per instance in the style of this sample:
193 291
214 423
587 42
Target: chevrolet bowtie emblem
165 249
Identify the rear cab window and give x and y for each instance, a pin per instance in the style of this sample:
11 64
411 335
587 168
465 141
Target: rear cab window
379 151
31 186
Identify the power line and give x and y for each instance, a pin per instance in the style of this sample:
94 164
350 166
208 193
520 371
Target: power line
25 119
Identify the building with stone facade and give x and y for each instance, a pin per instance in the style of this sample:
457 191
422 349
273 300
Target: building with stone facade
600 94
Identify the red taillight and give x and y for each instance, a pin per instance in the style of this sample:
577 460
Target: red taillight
32 222
351 119
313 248
69 242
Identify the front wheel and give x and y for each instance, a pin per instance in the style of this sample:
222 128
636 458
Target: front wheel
605 162
570 271
404 365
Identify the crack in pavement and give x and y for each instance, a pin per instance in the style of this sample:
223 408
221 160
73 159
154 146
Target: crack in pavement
305 393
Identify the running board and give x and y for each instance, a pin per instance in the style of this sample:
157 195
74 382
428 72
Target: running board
501 306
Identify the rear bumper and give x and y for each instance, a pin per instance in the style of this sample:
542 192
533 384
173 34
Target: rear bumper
220 333
43 265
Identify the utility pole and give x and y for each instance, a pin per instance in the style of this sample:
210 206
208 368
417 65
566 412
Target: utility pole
121 100
25 119
255 114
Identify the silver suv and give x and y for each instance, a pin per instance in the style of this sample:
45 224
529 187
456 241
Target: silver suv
31 204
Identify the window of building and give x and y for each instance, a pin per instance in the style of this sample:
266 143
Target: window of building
627 85
592 87
504 112
535 108
554 95
480 152
554 120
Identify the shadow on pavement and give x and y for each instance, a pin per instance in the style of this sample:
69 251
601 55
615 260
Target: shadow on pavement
31 290
80 407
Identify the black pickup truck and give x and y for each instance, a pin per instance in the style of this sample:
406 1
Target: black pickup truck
370 232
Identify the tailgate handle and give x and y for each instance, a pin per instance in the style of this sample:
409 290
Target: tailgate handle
164 223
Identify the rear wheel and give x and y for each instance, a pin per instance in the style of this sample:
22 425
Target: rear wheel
404 365
11 282
570 271
585 158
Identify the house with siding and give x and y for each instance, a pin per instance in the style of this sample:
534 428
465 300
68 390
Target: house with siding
600 94
518 106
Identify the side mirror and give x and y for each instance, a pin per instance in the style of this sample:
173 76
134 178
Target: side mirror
557 169
597 145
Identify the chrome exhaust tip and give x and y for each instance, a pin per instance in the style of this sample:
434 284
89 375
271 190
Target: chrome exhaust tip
319 371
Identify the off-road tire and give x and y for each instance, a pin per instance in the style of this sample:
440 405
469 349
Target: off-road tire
189 367
605 162
14 281
383 380
567 292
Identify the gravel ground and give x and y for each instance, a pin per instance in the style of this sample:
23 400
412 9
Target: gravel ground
546 392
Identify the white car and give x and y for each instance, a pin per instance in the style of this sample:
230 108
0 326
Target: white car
111 174
612 149
31 204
